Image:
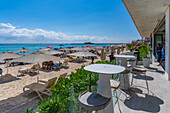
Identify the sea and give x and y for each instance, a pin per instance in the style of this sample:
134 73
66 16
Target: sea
37 46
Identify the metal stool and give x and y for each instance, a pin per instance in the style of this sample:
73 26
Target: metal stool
124 74
93 101
114 84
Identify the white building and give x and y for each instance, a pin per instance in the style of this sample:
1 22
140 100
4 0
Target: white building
152 19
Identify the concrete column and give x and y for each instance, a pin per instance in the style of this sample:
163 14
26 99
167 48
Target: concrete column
167 44
153 48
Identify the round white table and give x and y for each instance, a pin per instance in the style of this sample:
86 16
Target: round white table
104 89
124 80
131 52
124 58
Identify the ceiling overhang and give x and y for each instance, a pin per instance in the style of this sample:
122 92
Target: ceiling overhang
146 14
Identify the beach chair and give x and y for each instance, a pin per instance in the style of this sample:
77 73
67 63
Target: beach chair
23 71
63 76
72 58
56 66
46 79
34 68
65 63
41 87
79 59
1 71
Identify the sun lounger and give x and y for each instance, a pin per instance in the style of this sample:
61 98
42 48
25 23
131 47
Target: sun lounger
34 68
46 79
23 71
79 59
65 63
27 70
63 76
72 58
56 66
1 71
41 87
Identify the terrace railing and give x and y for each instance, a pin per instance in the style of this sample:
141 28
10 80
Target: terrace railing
67 100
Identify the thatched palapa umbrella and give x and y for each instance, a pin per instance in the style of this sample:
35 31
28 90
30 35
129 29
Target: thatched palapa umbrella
36 58
23 50
82 54
8 55
53 52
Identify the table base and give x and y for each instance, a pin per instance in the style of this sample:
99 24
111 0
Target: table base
104 89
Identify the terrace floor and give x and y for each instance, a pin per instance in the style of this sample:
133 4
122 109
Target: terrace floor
158 99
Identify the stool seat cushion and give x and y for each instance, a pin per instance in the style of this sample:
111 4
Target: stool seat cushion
93 101
131 60
114 84
125 72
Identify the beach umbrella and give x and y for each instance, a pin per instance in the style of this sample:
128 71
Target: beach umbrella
53 52
82 54
50 47
122 48
88 46
103 56
8 52
22 50
45 49
64 49
99 47
8 55
118 50
77 49
113 49
36 58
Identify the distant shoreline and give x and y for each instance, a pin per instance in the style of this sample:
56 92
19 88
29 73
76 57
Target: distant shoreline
65 43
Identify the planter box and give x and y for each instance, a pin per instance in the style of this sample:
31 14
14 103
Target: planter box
146 62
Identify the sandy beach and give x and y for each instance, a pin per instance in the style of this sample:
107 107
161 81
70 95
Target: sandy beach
11 86
12 98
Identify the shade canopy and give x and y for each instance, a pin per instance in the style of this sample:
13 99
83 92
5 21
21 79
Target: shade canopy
84 54
53 52
22 50
36 57
8 55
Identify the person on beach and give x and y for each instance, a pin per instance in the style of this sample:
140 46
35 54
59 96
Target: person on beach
163 54
92 59
158 52
111 56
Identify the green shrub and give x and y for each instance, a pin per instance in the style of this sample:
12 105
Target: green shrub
144 51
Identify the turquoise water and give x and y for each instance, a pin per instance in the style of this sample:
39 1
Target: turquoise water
35 47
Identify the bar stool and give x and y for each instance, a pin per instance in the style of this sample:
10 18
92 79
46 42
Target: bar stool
125 73
114 84
93 101
139 70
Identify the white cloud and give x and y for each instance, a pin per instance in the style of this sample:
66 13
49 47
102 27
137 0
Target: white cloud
10 33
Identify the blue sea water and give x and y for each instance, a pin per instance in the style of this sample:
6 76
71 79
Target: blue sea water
35 47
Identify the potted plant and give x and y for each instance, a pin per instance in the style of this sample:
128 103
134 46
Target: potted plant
130 47
144 51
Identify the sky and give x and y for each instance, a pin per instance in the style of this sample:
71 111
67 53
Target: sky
65 21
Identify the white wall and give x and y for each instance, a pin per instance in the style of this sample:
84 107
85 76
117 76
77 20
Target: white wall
167 44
